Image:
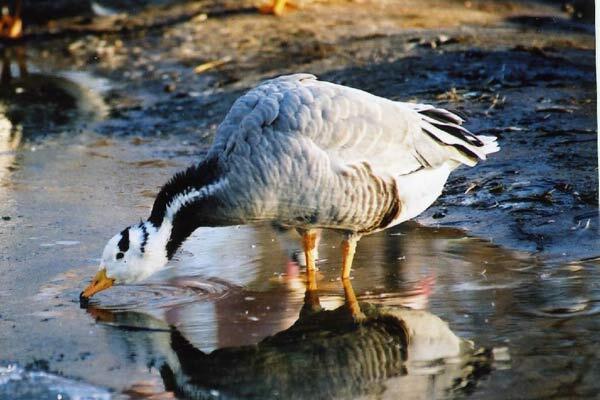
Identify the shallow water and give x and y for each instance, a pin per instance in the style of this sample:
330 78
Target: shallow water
230 317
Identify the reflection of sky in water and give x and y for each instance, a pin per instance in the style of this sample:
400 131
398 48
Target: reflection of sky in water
227 253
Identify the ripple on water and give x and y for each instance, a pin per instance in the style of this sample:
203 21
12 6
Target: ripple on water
147 307
567 308
152 296
565 291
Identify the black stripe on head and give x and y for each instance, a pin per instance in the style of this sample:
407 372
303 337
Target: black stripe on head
144 237
124 242
195 177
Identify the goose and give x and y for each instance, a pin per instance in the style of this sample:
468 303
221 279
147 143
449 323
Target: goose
306 155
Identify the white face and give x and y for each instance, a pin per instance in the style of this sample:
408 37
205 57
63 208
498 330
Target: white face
134 254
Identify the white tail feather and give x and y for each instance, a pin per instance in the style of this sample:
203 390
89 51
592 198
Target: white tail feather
490 145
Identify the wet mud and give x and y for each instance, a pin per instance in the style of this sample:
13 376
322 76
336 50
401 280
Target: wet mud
98 110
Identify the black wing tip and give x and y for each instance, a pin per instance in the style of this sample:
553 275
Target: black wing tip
443 115
460 133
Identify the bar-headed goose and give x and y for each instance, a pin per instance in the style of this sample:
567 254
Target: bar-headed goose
303 154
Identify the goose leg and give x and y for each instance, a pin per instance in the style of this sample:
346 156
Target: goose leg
351 301
276 7
11 26
348 249
310 239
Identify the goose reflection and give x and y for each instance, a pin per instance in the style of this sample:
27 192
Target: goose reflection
41 102
390 352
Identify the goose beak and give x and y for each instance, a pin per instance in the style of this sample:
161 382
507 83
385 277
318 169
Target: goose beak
99 283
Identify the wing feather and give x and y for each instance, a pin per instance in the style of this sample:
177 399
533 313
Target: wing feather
352 126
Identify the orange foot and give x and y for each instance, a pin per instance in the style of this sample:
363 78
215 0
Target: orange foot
276 7
11 26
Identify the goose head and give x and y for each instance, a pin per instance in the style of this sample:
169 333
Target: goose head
184 203
130 256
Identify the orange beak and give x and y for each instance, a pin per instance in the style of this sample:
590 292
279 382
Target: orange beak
99 283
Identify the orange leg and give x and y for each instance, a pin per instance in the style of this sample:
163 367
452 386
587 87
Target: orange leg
309 244
352 302
310 240
348 249
11 26
275 7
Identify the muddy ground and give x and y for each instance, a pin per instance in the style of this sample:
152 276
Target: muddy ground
79 163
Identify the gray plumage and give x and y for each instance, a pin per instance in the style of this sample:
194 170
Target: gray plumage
314 154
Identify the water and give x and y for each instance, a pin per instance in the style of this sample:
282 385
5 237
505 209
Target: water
448 314
19 384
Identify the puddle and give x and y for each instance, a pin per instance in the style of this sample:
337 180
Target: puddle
17 383
460 299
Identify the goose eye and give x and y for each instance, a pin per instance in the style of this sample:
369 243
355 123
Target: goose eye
120 255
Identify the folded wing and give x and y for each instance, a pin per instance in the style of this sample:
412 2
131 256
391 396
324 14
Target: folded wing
352 126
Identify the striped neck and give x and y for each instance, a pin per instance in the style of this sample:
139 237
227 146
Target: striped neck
186 202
